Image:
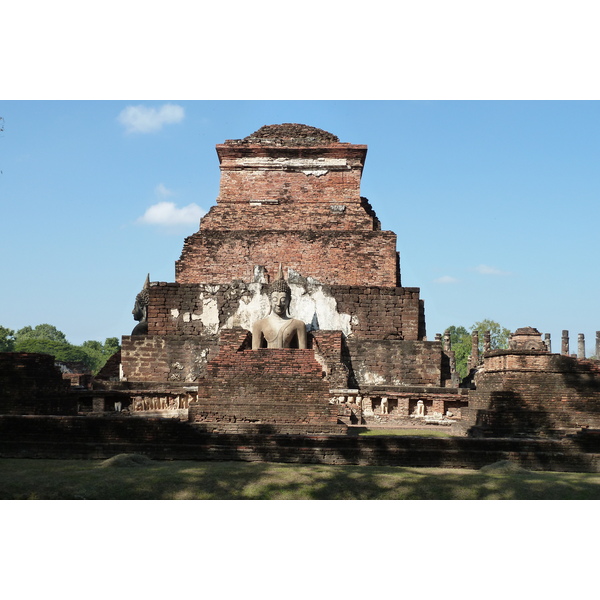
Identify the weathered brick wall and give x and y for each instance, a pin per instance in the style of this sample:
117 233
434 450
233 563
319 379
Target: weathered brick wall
331 352
165 358
110 370
534 393
262 386
396 362
321 174
382 312
331 257
531 361
284 215
293 201
169 439
203 309
31 384
193 309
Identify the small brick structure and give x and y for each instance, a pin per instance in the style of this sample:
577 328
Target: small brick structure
31 383
283 387
533 393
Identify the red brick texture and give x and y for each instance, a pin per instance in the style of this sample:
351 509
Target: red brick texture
331 257
295 204
534 393
381 313
392 313
267 386
321 175
391 362
332 354
165 358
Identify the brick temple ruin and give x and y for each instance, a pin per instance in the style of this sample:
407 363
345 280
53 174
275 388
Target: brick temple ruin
288 316
289 199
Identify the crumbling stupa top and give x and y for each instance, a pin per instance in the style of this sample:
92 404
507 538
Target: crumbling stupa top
288 134
527 331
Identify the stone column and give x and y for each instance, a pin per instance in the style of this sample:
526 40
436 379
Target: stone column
447 343
548 342
403 407
597 345
564 347
487 341
438 407
580 345
475 349
438 337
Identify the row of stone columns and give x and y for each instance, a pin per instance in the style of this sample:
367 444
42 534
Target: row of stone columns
564 347
446 345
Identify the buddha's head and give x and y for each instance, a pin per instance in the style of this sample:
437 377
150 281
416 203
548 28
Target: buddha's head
280 295
140 308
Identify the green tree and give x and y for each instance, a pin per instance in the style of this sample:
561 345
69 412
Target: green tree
498 335
461 341
47 339
41 332
99 353
7 339
61 351
111 345
95 356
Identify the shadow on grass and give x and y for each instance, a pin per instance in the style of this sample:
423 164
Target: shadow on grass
72 479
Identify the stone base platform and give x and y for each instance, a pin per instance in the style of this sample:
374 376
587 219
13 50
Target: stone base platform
162 439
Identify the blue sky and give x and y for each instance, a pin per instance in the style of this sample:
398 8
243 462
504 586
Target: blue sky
495 203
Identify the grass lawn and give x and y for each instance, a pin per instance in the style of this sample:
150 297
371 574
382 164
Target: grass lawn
123 478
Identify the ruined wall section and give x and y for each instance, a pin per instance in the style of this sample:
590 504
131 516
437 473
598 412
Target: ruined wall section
534 393
386 313
31 384
315 175
195 309
285 215
274 386
364 312
396 363
330 257
291 194
159 359
289 188
331 353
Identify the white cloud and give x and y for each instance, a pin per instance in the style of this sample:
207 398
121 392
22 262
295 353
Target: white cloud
487 270
142 119
168 214
162 191
446 279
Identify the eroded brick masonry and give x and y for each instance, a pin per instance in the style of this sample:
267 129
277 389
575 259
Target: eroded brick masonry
290 196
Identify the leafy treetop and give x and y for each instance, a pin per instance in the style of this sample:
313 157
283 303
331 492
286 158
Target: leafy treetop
47 339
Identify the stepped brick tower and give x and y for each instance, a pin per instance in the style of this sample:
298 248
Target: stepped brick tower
290 196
